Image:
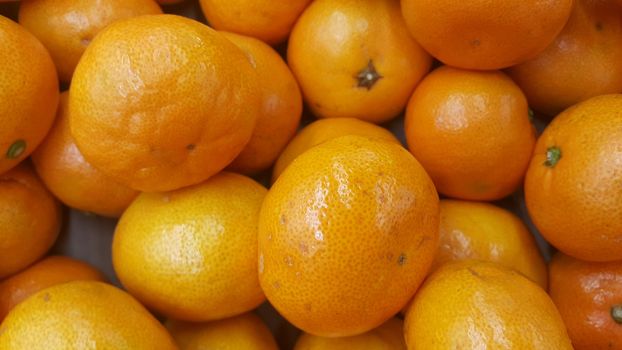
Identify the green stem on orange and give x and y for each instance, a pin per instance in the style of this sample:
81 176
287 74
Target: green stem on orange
16 149
368 76
553 155
616 313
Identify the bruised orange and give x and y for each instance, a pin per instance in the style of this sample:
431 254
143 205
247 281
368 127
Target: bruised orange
389 336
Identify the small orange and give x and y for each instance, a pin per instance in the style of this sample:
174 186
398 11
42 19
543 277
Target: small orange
267 20
48 272
389 336
28 93
243 332
573 188
281 106
480 34
346 235
66 27
474 304
191 254
71 178
471 132
323 130
161 102
355 59
588 295
30 218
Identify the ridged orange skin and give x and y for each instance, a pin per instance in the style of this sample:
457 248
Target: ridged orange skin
161 102
82 315
474 304
71 178
27 75
346 235
471 132
267 20
30 218
389 336
243 332
585 293
66 27
191 254
481 34
47 272
281 106
584 61
332 47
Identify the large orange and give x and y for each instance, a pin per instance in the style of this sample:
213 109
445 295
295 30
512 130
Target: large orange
71 178
585 60
588 295
573 188
30 218
28 93
281 106
66 27
480 34
389 336
82 315
355 59
474 304
191 254
161 102
471 132
346 235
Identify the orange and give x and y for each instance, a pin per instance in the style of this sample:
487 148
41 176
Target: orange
472 230
48 272
66 27
161 102
573 188
30 218
191 254
481 34
471 132
28 93
82 315
588 295
389 336
585 60
346 235
267 20
474 304
323 130
243 332
355 59
281 106
71 178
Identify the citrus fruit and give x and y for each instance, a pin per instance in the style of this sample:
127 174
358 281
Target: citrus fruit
355 59
389 336
346 235
161 102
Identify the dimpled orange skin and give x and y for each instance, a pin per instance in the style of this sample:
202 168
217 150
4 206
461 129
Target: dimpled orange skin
472 230
471 132
389 336
162 102
30 218
281 107
585 60
27 75
47 272
576 201
66 27
585 293
346 235
481 34
267 20
474 304
71 178
323 130
82 315
191 254
355 59
243 332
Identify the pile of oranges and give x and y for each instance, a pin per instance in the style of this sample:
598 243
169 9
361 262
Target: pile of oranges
348 163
